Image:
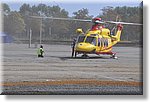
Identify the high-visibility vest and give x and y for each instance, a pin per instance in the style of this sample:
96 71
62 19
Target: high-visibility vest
40 51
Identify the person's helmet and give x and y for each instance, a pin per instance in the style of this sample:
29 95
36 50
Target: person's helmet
41 46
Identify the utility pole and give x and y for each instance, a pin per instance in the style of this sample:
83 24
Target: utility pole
41 32
50 31
30 37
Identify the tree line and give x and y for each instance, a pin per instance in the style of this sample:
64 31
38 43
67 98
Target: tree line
19 23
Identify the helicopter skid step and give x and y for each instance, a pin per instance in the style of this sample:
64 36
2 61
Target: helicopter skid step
113 55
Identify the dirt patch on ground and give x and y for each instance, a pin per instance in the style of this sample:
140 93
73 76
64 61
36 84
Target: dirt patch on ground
75 82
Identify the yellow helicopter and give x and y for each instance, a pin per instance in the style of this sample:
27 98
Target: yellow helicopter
98 40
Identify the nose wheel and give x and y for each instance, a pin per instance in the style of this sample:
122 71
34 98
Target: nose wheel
85 56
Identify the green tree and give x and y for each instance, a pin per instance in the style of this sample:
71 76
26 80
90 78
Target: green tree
5 8
15 24
82 14
126 14
58 28
31 23
25 9
5 13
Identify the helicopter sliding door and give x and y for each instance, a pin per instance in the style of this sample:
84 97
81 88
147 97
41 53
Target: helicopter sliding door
103 42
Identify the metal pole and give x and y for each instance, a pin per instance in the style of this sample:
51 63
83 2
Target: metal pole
30 37
41 25
41 32
50 31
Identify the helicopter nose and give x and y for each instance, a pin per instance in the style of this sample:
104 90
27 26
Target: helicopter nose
86 47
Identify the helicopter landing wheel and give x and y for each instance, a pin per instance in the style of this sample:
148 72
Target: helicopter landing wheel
85 56
114 56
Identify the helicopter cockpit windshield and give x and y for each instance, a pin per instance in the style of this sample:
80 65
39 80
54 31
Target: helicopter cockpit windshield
91 40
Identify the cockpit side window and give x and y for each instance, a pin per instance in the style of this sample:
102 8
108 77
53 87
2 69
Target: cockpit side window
91 40
80 39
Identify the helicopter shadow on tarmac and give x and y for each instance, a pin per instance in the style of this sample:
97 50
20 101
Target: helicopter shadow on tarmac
79 57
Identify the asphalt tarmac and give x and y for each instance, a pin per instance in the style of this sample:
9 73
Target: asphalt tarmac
58 73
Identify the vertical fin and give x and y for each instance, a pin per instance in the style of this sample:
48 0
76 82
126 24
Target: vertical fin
118 34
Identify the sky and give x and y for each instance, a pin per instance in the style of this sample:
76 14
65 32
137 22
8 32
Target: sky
94 6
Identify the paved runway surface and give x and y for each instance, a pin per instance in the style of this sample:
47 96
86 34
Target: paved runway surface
58 73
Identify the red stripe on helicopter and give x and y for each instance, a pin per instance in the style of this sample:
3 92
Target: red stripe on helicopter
109 53
107 48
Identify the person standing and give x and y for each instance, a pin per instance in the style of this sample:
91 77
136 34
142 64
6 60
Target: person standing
73 46
40 51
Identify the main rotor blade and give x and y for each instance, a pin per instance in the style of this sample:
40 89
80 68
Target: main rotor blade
123 23
67 19
84 20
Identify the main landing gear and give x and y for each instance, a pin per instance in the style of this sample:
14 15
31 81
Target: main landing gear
114 56
85 56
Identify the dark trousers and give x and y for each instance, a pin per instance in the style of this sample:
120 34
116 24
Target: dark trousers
41 55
